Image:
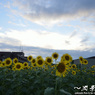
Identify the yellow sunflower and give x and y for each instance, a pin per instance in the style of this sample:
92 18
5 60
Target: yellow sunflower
40 62
67 57
46 67
68 63
38 57
61 69
34 65
74 72
26 67
18 66
33 60
62 59
3 64
81 59
25 64
13 67
93 66
55 55
48 60
8 61
15 60
29 58
73 66
85 62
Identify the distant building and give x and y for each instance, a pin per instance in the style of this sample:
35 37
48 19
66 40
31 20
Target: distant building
19 55
91 61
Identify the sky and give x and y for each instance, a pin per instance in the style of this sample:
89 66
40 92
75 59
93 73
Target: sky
41 27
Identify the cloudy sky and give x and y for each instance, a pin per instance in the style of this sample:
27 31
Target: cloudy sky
41 27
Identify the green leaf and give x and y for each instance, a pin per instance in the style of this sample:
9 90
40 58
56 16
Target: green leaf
62 92
49 91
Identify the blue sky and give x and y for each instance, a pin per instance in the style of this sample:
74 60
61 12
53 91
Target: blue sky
51 25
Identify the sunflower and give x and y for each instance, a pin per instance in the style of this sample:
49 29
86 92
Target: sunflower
3 64
68 63
85 62
48 60
8 61
46 67
25 64
74 66
93 66
29 58
18 66
13 67
62 59
34 65
40 62
74 72
33 61
38 57
67 57
81 59
61 69
54 67
55 55
26 67
15 60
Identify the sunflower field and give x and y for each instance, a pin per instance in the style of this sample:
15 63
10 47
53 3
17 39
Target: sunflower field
40 76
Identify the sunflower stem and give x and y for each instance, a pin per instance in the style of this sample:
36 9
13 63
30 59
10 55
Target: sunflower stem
55 61
56 87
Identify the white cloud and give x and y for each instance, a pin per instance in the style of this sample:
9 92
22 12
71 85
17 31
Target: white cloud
8 40
45 39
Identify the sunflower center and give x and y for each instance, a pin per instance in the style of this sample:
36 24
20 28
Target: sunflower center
81 59
67 57
30 58
25 64
55 55
33 61
15 61
61 67
85 61
3 64
73 66
7 62
18 66
40 62
34 64
49 60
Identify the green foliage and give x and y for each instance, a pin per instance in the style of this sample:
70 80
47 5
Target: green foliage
42 82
